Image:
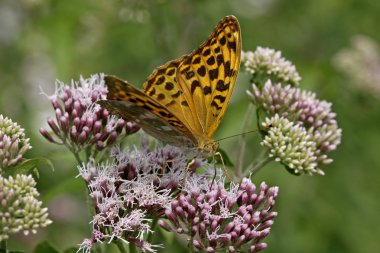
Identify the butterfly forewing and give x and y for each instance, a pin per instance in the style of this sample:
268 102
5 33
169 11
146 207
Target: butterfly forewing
203 81
210 74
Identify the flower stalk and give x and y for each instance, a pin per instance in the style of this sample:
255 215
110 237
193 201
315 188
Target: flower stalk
242 143
262 160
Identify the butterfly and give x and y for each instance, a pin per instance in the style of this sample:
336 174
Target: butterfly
183 101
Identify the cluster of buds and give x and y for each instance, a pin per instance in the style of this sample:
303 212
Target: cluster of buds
303 109
79 121
300 129
266 63
291 145
137 183
13 143
20 209
235 220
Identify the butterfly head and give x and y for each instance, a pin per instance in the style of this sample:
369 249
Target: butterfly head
208 148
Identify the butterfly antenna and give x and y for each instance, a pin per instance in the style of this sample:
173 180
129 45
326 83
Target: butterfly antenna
235 135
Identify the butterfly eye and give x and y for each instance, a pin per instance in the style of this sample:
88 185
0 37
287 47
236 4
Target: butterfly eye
211 146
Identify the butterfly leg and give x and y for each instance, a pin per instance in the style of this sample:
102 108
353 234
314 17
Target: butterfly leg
223 166
188 168
191 167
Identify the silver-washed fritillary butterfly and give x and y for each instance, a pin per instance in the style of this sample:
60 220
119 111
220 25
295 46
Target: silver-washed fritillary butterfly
183 102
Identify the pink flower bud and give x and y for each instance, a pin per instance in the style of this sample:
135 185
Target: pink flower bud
164 225
64 124
198 244
47 136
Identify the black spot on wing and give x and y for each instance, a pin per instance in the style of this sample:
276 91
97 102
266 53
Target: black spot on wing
211 60
220 98
214 104
152 92
176 95
169 86
220 86
197 60
207 90
213 73
207 52
170 72
202 71
227 69
170 103
160 80
189 74
219 59
232 45
160 96
223 41
194 85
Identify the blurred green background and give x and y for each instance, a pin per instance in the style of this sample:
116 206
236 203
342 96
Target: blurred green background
44 40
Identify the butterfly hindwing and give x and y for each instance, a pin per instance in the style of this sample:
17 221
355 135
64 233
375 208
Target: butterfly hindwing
132 104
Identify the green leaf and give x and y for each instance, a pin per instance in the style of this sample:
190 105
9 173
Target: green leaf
29 166
45 247
13 251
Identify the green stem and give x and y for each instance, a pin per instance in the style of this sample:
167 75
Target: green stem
88 153
99 155
76 155
260 165
3 246
242 143
262 160
153 226
258 119
73 151
191 244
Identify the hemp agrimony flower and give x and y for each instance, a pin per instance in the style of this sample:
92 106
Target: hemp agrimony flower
20 209
141 184
136 186
266 63
215 219
80 122
13 143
